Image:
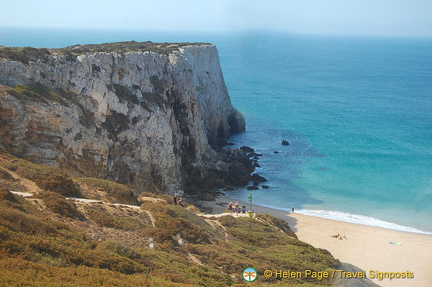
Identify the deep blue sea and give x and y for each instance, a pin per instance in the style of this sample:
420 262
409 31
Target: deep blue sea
356 111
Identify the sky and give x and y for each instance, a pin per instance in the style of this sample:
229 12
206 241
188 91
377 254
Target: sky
352 17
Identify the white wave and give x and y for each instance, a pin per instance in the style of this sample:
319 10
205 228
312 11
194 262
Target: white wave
360 219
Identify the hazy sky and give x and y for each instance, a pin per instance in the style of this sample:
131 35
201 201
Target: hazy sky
373 17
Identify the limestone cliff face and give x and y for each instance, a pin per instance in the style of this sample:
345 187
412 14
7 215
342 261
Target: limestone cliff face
148 119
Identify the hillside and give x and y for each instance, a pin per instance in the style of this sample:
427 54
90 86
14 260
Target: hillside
110 240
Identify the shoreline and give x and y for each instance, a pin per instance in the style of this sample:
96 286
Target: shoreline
367 247
359 219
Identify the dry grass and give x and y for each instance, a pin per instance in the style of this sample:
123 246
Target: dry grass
115 191
5 175
19 221
46 177
60 205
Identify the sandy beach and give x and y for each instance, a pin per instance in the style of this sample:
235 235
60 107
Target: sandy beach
366 247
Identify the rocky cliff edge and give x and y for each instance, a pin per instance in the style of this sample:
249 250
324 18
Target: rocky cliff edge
153 116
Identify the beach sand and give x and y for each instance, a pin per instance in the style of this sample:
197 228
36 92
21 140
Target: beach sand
366 247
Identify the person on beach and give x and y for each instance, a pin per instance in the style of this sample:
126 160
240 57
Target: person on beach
292 210
230 207
338 236
237 207
180 202
175 198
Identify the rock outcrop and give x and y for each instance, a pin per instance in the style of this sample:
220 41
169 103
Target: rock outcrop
152 119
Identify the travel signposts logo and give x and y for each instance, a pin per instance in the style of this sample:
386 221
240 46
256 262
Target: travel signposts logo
249 274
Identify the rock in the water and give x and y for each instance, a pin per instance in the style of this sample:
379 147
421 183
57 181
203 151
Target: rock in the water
265 186
254 155
284 142
247 149
252 187
257 177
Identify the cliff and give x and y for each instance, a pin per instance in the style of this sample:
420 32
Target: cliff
154 116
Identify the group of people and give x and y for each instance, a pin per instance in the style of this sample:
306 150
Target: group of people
234 208
177 200
338 236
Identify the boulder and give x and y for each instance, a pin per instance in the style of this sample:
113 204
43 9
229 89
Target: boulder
247 149
257 177
254 154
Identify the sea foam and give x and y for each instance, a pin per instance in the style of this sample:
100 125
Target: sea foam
359 219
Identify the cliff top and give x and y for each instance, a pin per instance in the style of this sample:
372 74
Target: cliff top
27 54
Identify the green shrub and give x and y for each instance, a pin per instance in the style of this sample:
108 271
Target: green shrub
38 92
59 204
19 221
163 196
6 196
120 249
14 54
116 190
102 217
252 232
5 175
24 55
46 177
19 272
132 223
278 222
172 220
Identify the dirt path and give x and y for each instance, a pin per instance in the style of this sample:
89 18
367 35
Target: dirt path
194 259
23 194
217 225
153 221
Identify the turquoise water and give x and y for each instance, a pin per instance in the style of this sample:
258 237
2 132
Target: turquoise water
356 111
358 115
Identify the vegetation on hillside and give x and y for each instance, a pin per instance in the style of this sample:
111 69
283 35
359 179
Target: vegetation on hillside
45 177
27 54
24 55
38 93
115 192
127 46
48 240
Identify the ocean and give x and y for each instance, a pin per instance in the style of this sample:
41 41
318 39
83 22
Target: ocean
357 112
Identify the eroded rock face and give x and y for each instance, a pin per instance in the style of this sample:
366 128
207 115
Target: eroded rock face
150 120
